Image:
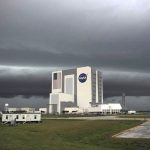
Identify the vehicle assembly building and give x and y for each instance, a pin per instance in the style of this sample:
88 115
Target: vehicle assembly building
79 90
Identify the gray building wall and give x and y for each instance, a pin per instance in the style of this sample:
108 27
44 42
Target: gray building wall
66 104
69 72
100 87
93 78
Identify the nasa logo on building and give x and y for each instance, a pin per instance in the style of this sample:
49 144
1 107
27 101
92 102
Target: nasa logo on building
82 77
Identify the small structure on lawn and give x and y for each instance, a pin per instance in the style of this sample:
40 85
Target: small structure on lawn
20 117
131 112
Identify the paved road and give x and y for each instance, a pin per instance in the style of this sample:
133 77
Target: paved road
141 131
100 118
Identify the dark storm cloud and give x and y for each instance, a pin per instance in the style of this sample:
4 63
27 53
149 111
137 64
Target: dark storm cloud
131 83
21 101
37 81
138 103
100 33
111 35
24 81
32 57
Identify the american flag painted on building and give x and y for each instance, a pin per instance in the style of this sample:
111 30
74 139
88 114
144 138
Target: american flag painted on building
57 80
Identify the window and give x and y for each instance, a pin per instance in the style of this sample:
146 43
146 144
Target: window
17 116
23 117
55 76
6 116
35 117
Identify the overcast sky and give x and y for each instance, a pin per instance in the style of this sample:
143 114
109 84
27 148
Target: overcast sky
39 36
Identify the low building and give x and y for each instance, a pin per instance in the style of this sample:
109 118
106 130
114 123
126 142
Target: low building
111 108
131 112
23 109
72 110
20 117
43 110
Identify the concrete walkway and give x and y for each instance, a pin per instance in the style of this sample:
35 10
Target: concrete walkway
100 118
141 131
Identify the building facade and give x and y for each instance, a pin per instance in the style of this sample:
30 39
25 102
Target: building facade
81 87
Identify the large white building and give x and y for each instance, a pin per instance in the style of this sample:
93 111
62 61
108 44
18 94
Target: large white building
80 89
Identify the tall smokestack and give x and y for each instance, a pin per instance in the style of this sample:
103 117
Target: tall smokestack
124 102
6 107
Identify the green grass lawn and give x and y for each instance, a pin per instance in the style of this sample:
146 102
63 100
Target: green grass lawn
135 116
70 135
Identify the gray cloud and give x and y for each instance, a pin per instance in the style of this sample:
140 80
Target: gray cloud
139 103
25 81
132 83
21 101
101 33
30 81
117 60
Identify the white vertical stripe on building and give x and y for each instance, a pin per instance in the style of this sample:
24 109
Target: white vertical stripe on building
97 94
101 89
69 84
